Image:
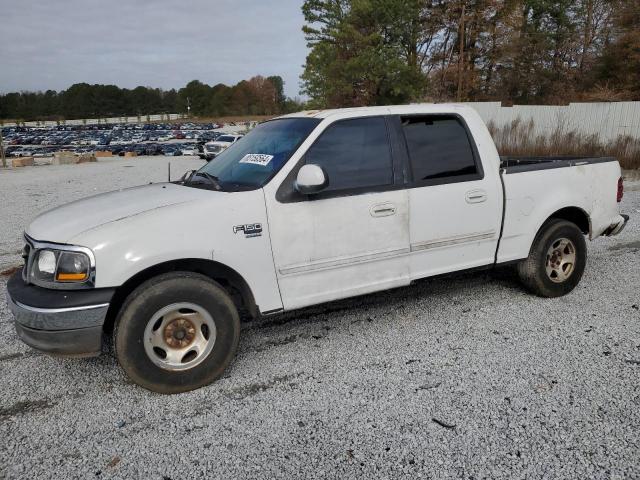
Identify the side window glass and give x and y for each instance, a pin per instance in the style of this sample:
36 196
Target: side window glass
438 148
354 153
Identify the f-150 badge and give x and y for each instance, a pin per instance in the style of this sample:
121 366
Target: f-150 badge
249 229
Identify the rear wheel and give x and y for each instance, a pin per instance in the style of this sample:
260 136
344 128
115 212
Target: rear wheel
556 261
176 332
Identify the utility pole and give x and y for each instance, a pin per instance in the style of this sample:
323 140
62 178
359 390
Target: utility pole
4 160
461 56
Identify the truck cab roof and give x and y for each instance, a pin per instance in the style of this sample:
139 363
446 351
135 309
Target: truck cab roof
418 108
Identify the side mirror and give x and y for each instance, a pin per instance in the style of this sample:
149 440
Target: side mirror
311 179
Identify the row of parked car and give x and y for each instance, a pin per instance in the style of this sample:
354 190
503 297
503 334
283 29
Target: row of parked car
107 134
144 139
148 148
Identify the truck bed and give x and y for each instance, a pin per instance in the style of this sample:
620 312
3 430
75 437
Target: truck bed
587 193
528 164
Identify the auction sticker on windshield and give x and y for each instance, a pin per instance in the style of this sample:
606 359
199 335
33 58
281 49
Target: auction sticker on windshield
257 159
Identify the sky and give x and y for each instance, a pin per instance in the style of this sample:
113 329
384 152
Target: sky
52 44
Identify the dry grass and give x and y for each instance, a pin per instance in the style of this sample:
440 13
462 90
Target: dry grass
519 139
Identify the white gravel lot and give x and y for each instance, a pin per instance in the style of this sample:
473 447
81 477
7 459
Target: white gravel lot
531 388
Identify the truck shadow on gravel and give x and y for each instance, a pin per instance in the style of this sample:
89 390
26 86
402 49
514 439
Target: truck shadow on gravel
439 286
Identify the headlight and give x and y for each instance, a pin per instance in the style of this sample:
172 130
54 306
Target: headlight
60 266
45 267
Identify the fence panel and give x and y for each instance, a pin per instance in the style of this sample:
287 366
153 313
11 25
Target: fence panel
607 120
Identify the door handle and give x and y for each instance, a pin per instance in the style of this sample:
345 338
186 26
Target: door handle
476 196
383 210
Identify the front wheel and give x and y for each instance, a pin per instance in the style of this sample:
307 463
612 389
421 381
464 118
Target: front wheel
556 261
176 332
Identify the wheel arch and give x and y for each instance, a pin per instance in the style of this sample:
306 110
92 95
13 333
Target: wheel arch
227 277
574 215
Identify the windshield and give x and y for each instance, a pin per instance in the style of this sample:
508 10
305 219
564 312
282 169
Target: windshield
259 155
225 139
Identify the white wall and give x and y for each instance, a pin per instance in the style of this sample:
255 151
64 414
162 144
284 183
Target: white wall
95 121
608 120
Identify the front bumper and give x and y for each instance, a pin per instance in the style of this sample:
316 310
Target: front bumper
60 322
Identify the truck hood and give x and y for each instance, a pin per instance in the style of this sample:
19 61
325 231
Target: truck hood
62 223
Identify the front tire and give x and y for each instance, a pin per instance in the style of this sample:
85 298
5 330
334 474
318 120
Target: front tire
556 261
176 332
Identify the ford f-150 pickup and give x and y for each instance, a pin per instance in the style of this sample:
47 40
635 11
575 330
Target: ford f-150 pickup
307 208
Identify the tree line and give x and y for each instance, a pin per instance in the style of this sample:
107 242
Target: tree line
368 52
256 96
375 52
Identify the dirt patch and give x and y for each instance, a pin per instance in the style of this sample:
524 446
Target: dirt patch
246 391
626 246
10 271
23 408
13 356
276 343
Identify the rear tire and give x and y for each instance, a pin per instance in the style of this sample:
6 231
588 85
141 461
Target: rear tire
176 332
556 261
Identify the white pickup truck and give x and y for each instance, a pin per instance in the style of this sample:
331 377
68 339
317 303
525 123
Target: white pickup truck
214 148
307 208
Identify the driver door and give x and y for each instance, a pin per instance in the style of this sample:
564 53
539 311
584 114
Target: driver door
353 237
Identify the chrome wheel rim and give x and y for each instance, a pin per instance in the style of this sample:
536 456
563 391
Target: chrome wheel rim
179 336
561 260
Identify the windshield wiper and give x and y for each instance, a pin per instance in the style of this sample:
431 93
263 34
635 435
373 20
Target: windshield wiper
186 177
190 175
213 179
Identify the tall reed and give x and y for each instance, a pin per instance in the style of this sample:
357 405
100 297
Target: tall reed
519 138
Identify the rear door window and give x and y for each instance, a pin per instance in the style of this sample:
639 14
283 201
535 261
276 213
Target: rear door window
440 150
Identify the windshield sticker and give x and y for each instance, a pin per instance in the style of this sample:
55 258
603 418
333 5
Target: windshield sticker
257 159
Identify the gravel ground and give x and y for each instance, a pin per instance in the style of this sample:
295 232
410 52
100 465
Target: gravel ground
457 377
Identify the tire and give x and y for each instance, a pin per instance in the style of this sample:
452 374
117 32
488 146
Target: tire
185 316
548 273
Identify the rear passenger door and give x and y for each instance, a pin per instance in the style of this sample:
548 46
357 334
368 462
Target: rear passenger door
351 238
455 206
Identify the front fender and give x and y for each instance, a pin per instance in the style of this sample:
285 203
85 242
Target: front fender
204 231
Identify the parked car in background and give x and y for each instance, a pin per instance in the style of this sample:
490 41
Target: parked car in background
212 149
170 150
22 152
190 149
